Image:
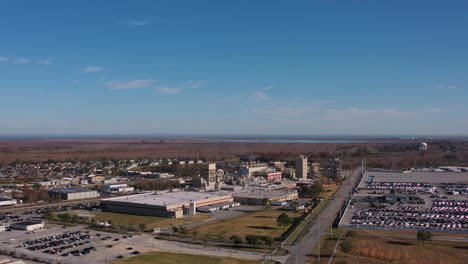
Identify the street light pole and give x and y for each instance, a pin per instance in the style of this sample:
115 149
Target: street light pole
296 252
331 219
319 237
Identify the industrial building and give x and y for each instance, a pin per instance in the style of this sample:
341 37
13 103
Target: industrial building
334 169
270 176
248 170
301 167
73 193
216 207
5 201
256 196
27 225
117 188
165 204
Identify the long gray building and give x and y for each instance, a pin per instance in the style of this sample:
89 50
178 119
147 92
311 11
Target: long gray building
73 193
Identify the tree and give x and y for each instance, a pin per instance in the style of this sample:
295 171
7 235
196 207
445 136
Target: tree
252 240
268 240
236 239
142 227
350 233
424 235
74 218
266 203
346 246
182 230
283 220
49 215
314 190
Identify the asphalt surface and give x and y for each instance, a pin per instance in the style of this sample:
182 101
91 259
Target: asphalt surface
302 251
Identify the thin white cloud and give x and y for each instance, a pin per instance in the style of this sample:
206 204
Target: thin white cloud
266 88
132 84
448 87
3 59
260 94
21 61
137 23
47 61
93 69
192 84
169 90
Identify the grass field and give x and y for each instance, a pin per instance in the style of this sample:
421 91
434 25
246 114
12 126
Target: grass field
172 258
259 223
150 221
382 247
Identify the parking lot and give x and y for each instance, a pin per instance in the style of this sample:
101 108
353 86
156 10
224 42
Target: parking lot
390 200
71 245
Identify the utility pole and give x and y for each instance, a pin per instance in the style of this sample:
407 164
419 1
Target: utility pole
331 219
319 237
296 252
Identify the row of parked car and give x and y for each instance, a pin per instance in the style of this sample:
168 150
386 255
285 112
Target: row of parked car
64 208
410 219
58 242
410 187
76 253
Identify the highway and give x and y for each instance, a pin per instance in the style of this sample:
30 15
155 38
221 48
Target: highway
303 249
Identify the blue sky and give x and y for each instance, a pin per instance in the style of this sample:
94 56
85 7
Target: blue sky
233 67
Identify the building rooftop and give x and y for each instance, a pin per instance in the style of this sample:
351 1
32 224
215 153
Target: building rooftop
27 223
263 193
168 198
415 176
69 190
5 199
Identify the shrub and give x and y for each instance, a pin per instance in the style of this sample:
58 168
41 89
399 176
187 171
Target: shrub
346 246
351 233
283 220
252 240
236 239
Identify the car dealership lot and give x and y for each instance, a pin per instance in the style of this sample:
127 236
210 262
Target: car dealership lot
392 200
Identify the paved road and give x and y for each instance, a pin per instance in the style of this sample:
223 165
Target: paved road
304 248
179 247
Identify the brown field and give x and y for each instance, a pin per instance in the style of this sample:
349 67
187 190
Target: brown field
172 258
376 247
399 154
150 221
259 223
41 150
